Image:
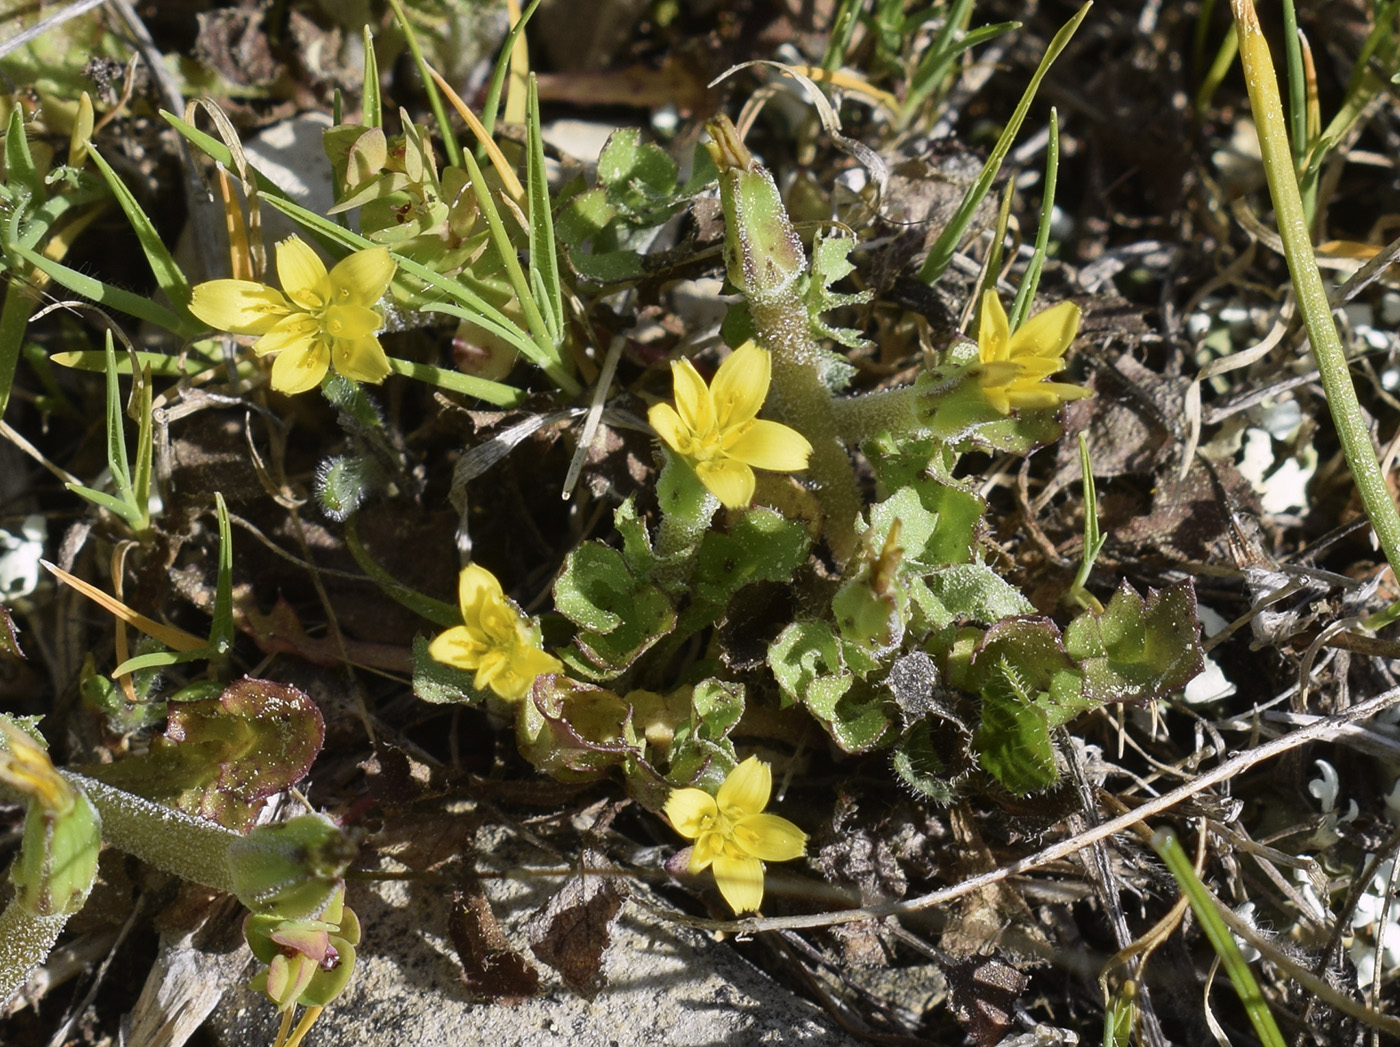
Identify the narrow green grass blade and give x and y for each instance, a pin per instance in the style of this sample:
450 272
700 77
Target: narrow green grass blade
116 437
145 448
941 254
221 627
19 161
1353 428
1093 540
106 295
169 277
456 382
371 104
1297 88
160 659
14 322
1025 294
492 105
842 26
451 149
1219 936
436 611
544 255
122 510
500 240
161 365
1215 75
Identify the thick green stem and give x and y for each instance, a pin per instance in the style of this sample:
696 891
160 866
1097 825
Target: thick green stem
1292 222
191 848
891 411
686 511
28 939
803 401
765 260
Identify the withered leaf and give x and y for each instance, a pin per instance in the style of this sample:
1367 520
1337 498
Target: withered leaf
983 997
9 635
573 929
490 967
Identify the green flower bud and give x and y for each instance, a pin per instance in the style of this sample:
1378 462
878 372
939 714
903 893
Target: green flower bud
761 249
291 869
62 831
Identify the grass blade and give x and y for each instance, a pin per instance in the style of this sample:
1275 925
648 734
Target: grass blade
947 243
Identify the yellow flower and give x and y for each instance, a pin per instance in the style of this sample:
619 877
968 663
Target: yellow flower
323 319
1014 365
496 640
717 429
733 835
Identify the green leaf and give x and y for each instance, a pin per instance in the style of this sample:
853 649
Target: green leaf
1029 653
574 731
974 592
808 664
438 683
716 708
1137 650
1013 742
639 177
830 264
619 615
122 510
806 658
761 546
636 542
920 767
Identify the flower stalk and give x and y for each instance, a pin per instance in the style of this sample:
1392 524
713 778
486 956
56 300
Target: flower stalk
1352 430
765 260
732 833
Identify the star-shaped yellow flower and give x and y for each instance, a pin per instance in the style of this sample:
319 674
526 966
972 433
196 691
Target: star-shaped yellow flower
495 639
323 319
732 834
1014 366
717 430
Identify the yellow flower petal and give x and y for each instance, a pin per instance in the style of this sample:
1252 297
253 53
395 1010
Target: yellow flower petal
770 837
477 588
238 306
995 395
302 273
300 368
1047 334
709 847
740 881
729 480
362 359
690 811
350 321
1045 394
456 647
495 664
993 329
524 664
669 427
746 790
295 332
363 277
693 402
741 385
771 445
